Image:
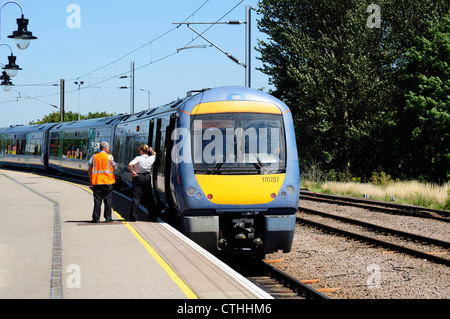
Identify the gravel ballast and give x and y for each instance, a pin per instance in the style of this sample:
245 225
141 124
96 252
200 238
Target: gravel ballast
354 270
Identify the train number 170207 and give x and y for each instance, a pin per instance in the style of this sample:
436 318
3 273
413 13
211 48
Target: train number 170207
273 179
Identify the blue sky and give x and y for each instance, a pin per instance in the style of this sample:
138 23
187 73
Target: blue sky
108 31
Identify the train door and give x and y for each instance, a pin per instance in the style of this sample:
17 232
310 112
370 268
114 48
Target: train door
129 149
151 142
163 163
151 134
168 160
60 151
157 172
91 149
27 149
119 152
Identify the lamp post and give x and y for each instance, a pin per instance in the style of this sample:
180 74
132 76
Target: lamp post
79 83
148 91
248 44
21 36
131 86
247 64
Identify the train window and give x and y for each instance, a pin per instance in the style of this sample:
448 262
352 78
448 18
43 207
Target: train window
8 145
34 147
238 143
54 147
75 145
84 146
38 146
20 146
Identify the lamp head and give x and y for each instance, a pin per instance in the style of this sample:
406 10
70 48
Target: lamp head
6 82
11 68
22 36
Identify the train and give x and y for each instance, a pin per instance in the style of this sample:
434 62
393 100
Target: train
226 167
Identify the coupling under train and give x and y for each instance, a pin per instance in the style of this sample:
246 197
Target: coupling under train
226 167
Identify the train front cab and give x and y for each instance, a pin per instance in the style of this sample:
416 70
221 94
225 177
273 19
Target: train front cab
243 195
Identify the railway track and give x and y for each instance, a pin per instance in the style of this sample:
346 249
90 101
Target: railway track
274 281
330 225
380 206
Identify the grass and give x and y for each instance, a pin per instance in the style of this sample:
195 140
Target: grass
409 193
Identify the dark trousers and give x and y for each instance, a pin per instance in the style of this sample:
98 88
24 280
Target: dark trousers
102 193
141 190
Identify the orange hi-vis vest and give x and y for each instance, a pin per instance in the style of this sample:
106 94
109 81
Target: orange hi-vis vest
102 169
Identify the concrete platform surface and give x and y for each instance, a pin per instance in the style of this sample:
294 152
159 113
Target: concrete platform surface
49 249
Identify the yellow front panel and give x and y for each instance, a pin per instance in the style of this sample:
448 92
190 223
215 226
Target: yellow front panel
240 190
236 107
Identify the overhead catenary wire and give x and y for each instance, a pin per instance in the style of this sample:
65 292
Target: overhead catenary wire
31 97
133 51
144 45
93 85
174 53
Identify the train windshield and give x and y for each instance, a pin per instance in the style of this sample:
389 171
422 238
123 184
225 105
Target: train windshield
238 143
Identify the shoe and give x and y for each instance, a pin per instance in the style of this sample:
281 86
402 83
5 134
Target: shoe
94 221
109 221
132 219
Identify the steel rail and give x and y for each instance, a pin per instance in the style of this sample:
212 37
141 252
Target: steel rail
370 240
406 235
379 205
295 285
272 280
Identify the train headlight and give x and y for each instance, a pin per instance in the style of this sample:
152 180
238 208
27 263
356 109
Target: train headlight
194 193
290 190
191 191
283 194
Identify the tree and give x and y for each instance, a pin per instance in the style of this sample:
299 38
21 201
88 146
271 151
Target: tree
340 77
324 63
424 119
70 116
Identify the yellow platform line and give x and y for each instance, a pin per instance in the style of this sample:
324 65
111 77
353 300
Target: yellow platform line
172 274
164 265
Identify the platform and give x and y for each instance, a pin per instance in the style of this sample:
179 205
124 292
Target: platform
50 250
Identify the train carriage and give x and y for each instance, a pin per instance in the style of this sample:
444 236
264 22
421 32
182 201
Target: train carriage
24 146
226 167
71 144
152 127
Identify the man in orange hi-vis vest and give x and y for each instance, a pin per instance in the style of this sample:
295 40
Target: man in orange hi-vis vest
101 175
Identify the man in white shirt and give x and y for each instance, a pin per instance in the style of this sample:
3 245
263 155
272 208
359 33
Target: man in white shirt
140 168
